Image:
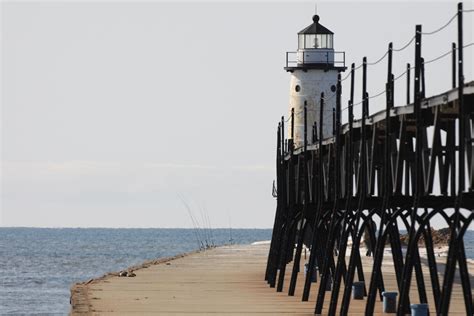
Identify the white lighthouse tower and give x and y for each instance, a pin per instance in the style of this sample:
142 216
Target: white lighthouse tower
314 68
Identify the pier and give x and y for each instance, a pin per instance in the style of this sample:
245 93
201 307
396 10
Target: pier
221 281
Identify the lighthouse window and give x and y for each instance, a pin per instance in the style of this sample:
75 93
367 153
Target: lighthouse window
297 88
324 43
315 41
310 41
301 41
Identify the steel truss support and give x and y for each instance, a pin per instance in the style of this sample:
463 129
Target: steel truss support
392 171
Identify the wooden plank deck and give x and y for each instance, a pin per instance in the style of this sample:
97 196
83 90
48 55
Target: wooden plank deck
220 281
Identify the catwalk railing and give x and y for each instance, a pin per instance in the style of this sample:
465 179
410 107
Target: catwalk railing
401 166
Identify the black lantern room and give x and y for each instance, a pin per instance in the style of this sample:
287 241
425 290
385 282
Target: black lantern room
315 50
315 36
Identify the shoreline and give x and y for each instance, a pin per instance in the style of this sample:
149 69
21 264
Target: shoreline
79 292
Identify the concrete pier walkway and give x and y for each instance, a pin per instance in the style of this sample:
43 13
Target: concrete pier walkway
220 281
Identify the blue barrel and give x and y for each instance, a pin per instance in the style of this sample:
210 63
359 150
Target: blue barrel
419 309
358 290
389 302
314 276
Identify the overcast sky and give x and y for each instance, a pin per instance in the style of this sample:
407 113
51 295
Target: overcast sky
113 113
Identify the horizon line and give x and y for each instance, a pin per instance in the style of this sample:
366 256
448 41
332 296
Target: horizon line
102 227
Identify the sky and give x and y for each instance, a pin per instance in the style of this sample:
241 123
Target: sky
116 114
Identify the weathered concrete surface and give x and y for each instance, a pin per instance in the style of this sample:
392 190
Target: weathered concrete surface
224 280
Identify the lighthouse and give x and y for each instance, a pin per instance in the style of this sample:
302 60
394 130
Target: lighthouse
314 68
